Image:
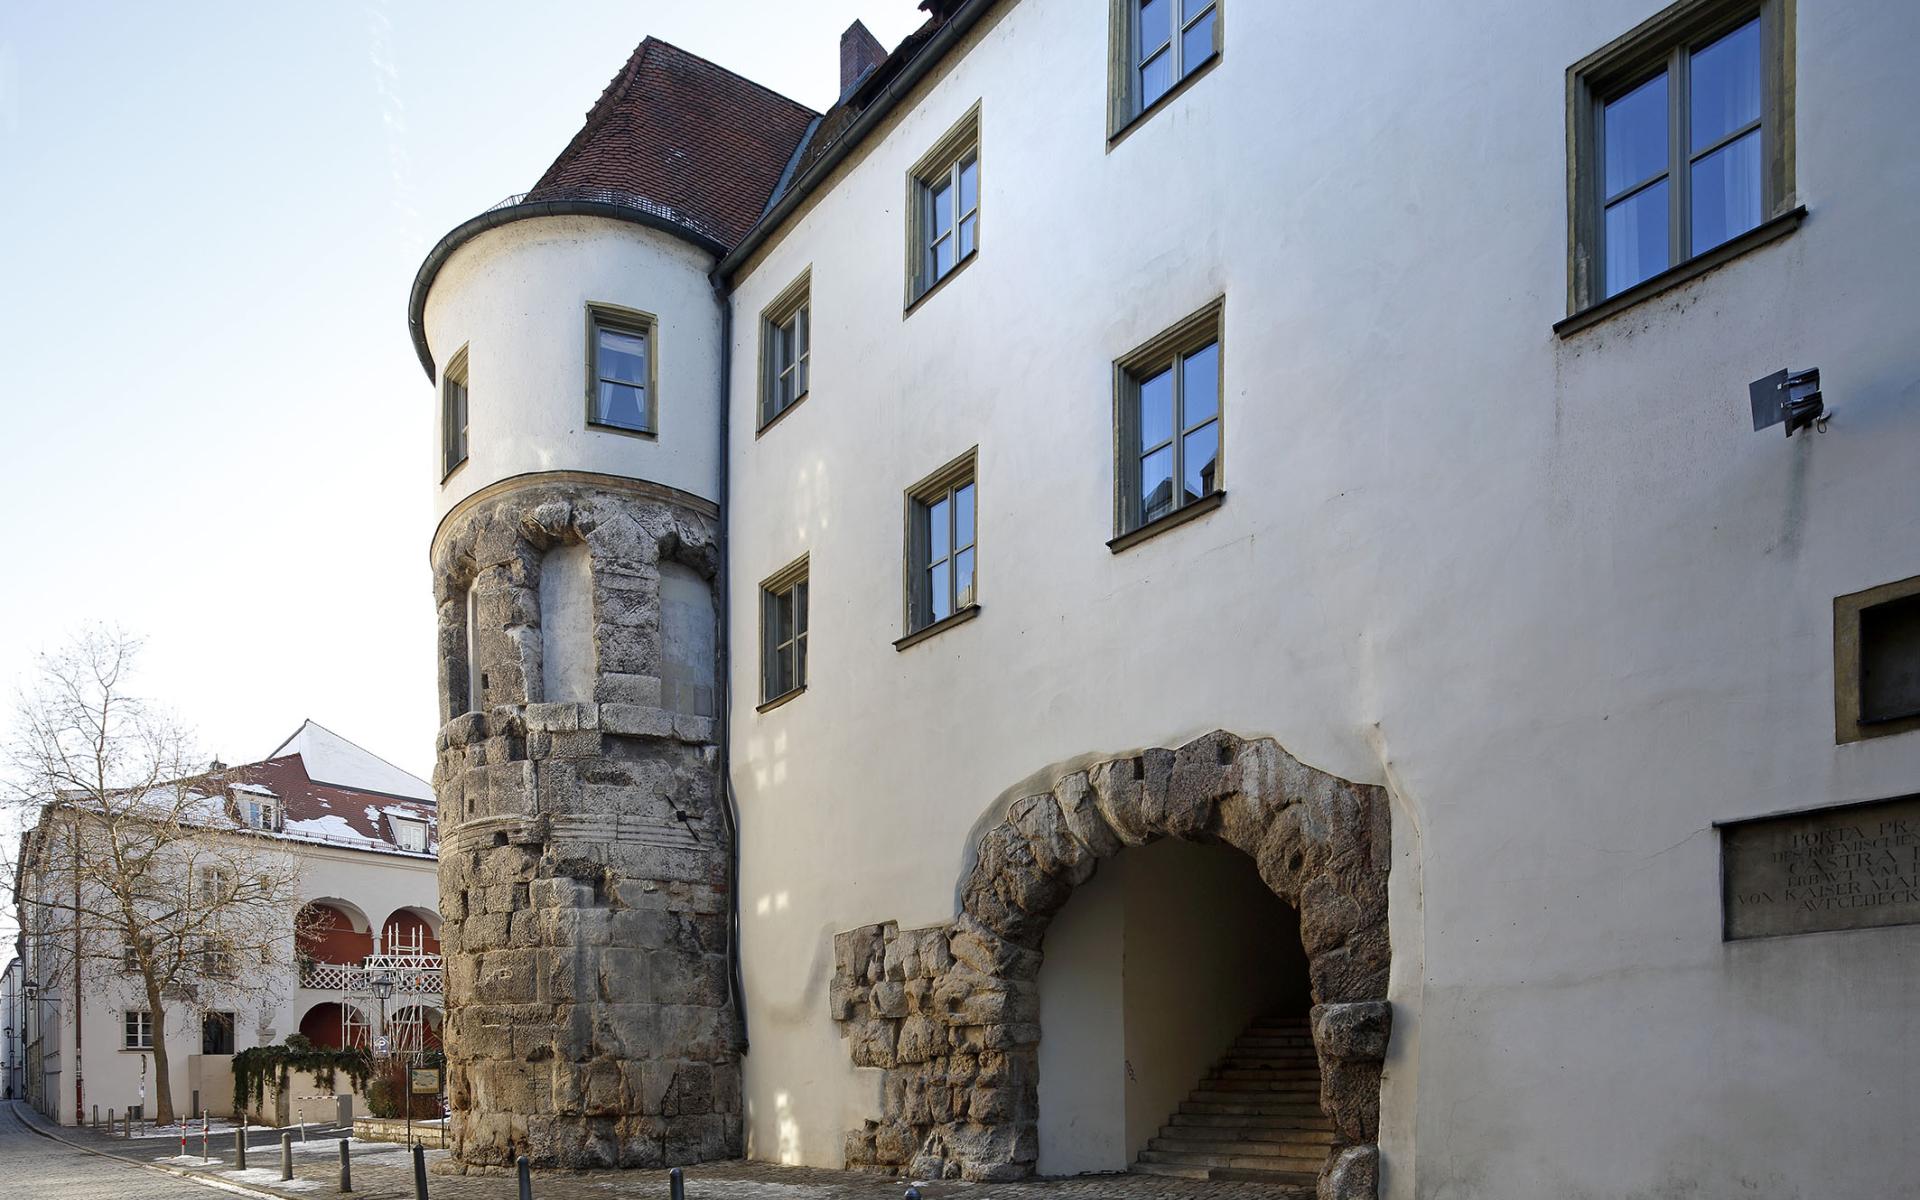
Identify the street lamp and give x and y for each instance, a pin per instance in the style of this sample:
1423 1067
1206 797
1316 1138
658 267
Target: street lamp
382 984
31 990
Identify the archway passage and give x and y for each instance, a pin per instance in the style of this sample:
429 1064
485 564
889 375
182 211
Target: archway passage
325 1024
952 1013
333 932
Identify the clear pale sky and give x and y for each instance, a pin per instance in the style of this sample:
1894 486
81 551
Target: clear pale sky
216 433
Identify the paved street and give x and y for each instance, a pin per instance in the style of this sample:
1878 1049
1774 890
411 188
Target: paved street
38 1167
65 1171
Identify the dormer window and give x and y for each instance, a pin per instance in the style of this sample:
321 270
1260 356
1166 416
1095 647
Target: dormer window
408 834
260 814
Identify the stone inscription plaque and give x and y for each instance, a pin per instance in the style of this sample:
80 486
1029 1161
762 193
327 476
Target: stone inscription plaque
1851 867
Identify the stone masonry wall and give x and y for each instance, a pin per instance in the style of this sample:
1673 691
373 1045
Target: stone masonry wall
951 1014
584 861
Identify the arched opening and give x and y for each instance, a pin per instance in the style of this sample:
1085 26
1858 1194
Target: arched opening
1161 979
953 1013
326 1024
689 641
411 931
330 932
567 659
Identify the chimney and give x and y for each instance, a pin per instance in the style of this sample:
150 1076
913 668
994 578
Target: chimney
859 50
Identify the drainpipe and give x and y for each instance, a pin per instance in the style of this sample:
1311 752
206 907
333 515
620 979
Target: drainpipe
79 997
724 705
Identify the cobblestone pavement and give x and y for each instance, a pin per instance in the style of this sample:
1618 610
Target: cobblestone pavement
383 1172
38 1167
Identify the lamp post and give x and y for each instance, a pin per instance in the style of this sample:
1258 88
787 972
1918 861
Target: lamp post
31 990
382 984
9 1051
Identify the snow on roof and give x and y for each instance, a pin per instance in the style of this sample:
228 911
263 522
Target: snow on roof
330 758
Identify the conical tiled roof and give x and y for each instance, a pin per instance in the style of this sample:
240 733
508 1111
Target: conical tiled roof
688 139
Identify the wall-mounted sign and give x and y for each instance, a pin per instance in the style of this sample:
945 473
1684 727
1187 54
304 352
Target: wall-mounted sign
424 1081
1856 866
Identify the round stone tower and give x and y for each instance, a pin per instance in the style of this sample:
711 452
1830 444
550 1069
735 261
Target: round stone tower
585 855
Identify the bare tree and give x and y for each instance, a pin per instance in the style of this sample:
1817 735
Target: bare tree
140 876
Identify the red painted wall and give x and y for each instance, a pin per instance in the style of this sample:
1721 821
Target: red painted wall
404 923
331 938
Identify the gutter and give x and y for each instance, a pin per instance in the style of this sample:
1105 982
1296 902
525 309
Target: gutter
916 69
506 214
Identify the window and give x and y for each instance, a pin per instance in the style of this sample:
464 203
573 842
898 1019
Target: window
453 413
129 957
1157 44
260 813
1876 640
1168 423
620 369
785 350
136 1032
783 634
216 1033
1681 144
214 885
944 195
216 958
409 835
940 546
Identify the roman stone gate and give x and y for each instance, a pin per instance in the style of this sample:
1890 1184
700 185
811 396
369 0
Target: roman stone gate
951 1013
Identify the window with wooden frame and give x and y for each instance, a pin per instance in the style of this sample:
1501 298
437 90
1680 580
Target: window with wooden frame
1167 421
943 193
941 581
136 1029
1156 46
216 1033
453 413
783 635
620 369
408 834
786 337
1683 147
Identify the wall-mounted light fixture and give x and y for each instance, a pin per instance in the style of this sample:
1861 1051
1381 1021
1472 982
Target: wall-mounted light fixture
1791 398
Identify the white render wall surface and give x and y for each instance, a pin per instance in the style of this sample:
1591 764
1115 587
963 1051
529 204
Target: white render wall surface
375 885
1553 592
516 296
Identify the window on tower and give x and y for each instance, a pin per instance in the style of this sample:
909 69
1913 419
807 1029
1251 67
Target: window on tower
620 375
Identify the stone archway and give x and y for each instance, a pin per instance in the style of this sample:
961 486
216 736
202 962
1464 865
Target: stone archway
951 1012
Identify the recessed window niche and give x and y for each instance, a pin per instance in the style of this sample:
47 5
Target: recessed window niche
566 624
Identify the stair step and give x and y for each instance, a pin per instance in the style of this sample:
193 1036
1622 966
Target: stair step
1245 1133
1244 1162
1298 1126
1261 1087
1171 1170
1237 1148
1271 1062
1304 1179
1300 1042
1251 1108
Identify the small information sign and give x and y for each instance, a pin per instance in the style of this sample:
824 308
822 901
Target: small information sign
424 1081
1851 867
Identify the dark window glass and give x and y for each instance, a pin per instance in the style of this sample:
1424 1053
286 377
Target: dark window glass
620 378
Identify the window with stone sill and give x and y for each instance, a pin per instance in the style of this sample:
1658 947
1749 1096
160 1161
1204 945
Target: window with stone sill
941 579
1167 409
453 413
620 363
944 208
1156 45
783 633
1682 142
786 350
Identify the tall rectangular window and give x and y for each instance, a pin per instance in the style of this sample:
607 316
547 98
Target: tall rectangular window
1679 142
1168 422
1156 45
783 633
941 545
216 1033
786 350
136 1031
944 207
620 391
453 413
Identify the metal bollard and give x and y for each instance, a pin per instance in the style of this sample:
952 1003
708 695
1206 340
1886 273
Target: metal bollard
677 1184
240 1146
419 1172
913 1193
204 1156
129 1124
346 1168
183 1139
525 1171
286 1156
111 1122
96 1116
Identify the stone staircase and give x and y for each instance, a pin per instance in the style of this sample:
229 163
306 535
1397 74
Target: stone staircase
1255 1118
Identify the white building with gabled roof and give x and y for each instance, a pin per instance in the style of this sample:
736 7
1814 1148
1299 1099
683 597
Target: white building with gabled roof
363 834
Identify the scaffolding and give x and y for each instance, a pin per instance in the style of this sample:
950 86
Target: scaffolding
416 978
